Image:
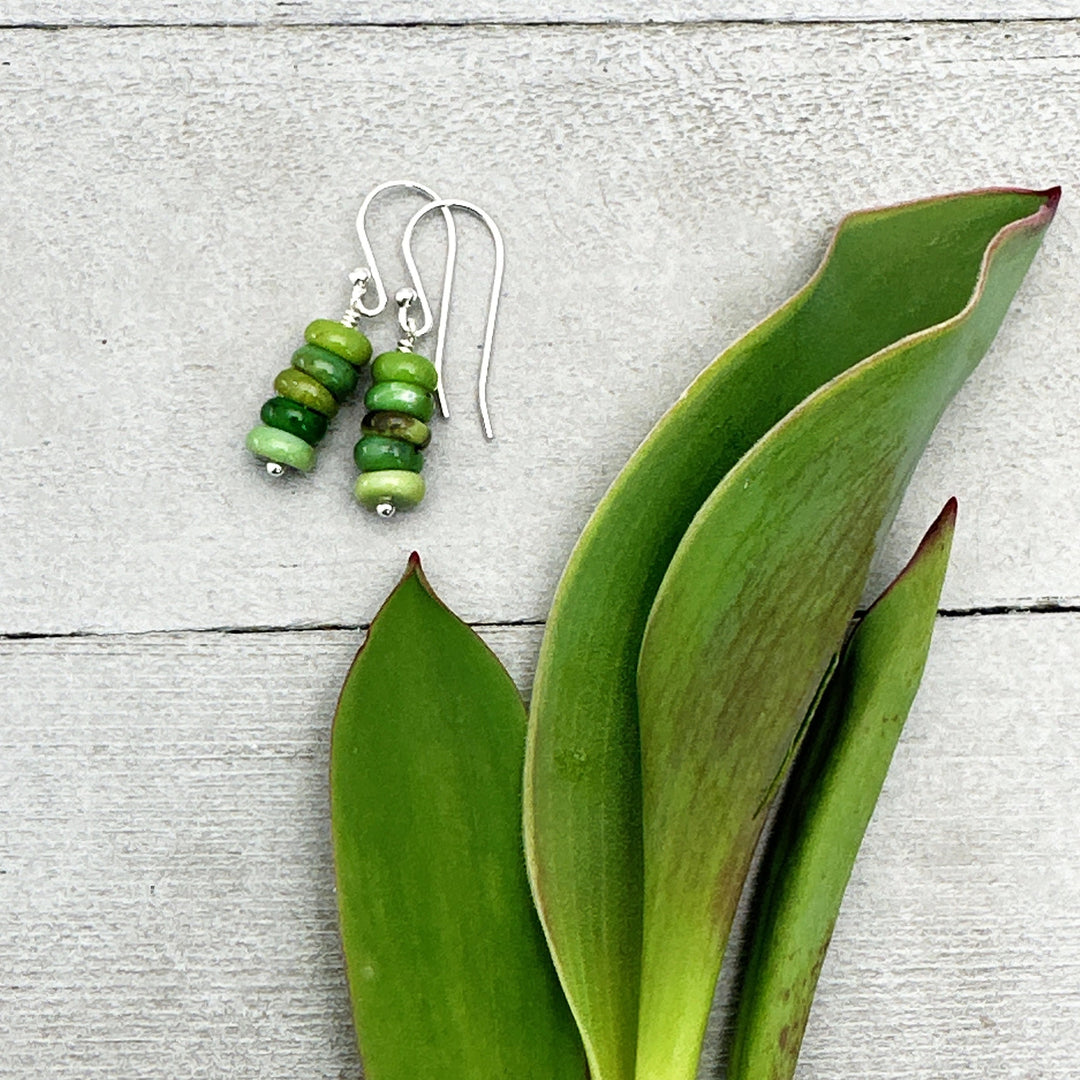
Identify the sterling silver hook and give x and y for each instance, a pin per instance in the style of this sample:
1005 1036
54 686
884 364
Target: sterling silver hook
369 274
448 205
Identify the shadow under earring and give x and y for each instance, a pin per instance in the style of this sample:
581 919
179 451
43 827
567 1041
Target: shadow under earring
401 399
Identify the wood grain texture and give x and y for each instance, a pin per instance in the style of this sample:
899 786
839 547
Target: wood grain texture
177 206
166 901
396 12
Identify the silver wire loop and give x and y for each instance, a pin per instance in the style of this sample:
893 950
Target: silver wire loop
405 298
447 206
359 279
369 275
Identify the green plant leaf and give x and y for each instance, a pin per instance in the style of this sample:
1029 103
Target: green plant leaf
751 609
826 807
448 971
888 274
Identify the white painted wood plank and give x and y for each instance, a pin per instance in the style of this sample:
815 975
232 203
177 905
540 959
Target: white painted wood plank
165 874
397 12
176 207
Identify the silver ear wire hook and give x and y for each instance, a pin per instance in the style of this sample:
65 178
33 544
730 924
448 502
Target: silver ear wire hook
369 275
448 205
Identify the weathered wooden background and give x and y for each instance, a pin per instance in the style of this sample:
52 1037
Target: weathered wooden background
177 190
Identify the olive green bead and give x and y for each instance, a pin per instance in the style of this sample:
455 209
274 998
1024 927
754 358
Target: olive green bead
400 397
337 375
397 425
407 367
398 487
375 452
281 446
339 339
300 387
298 420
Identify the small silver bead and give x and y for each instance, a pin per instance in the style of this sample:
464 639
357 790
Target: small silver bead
275 468
385 510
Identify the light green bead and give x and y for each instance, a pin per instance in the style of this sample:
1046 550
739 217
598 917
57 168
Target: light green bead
394 486
407 367
281 446
300 387
339 339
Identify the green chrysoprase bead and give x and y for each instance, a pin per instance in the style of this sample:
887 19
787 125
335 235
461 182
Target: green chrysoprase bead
397 425
375 452
300 387
405 367
398 487
400 397
281 446
339 339
298 420
336 374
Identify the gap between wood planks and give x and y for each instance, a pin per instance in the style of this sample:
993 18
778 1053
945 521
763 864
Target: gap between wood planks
543 24
1038 607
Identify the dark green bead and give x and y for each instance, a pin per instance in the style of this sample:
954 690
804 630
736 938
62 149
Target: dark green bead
340 340
336 374
375 452
291 416
397 425
400 397
407 367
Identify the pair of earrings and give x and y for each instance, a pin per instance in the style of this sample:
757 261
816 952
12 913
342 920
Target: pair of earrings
326 369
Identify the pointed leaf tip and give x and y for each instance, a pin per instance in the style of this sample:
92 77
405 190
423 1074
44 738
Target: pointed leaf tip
945 520
940 534
825 810
447 967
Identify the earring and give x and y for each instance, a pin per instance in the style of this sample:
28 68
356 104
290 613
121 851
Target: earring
401 401
326 368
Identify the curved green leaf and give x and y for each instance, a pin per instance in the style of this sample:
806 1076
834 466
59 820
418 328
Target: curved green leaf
750 612
888 273
448 970
826 807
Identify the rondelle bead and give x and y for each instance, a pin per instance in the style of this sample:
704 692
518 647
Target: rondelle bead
339 339
375 452
300 387
400 397
336 374
398 487
298 420
281 446
397 425
407 367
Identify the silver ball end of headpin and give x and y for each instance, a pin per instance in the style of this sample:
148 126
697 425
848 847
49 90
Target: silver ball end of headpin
386 510
275 468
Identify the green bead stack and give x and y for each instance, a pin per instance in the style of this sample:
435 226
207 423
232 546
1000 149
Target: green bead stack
394 432
324 373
